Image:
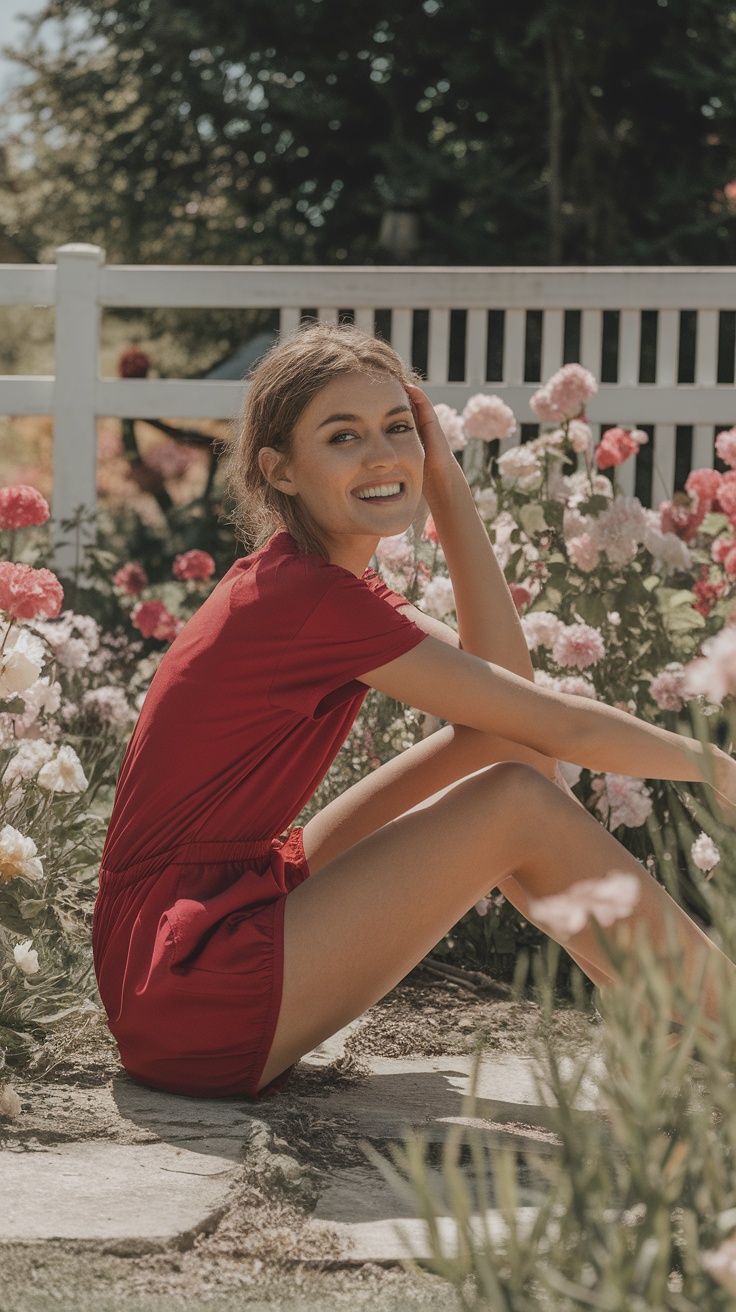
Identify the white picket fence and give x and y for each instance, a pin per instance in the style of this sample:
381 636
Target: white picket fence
80 284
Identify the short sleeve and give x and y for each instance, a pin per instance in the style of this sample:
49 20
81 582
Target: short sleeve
352 629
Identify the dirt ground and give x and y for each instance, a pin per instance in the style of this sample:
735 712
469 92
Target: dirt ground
255 1257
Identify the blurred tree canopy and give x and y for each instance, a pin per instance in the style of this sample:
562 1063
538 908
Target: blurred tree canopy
320 131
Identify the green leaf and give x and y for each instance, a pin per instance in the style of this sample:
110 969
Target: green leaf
532 519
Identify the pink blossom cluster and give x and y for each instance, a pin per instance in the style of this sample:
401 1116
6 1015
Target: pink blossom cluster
22 506
429 532
726 446
565 395
153 620
193 564
682 516
131 579
706 592
451 425
541 628
396 552
704 484
622 800
713 674
617 444
487 417
578 645
583 552
705 854
521 596
667 689
26 592
609 899
619 529
726 495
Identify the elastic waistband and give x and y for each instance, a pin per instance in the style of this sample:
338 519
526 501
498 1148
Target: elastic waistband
196 853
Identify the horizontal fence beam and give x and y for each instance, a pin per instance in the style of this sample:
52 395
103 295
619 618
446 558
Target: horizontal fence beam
183 398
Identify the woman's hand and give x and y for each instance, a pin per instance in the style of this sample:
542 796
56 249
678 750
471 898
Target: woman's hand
440 465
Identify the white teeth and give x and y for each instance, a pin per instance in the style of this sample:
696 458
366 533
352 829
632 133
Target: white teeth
384 490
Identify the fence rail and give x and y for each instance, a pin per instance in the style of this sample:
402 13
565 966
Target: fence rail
665 339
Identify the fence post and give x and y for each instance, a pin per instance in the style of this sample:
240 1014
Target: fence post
75 420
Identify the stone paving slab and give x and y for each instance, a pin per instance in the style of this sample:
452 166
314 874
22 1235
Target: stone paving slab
391 1241
108 1191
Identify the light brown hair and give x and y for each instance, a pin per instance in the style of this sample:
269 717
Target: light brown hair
281 385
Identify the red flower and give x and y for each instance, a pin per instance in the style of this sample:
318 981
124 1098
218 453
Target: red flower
615 446
134 363
153 620
193 565
131 579
678 516
707 593
430 533
26 592
521 595
22 506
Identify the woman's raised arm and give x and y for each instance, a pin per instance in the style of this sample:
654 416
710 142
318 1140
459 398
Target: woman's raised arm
457 686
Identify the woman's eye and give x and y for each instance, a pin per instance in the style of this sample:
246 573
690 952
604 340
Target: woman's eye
404 427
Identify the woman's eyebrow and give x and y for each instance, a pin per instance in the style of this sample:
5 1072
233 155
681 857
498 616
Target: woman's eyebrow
398 409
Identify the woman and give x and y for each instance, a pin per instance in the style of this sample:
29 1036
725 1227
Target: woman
223 953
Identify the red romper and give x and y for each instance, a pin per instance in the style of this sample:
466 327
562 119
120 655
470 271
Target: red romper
243 718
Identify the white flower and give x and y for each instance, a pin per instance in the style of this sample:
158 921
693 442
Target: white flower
9 1102
26 957
609 899
521 468
580 435
541 628
89 629
622 800
42 695
21 661
720 1263
64 774
487 503
439 598
18 858
74 654
109 702
451 425
667 549
714 674
488 417
30 756
704 853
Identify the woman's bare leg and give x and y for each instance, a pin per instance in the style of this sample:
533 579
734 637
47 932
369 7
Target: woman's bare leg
359 924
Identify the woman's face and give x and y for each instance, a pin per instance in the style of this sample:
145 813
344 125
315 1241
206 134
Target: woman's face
357 433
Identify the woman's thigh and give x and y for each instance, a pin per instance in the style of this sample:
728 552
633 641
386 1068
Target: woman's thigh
406 782
355 928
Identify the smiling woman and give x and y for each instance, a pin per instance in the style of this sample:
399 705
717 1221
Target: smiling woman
226 946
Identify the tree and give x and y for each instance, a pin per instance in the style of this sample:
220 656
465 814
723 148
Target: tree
552 131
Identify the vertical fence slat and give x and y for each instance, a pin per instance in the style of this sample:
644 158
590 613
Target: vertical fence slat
401 330
706 347
513 346
364 319
439 346
327 314
289 320
668 329
77 349
663 476
629 347
626 478
703 450
553 330
591 341
476 346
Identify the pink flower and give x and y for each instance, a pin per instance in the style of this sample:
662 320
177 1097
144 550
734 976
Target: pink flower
488 417
395 552
714 673
608 900
153 620
451 425
707 593
705 854
22 506
430 533
617 444
565 395
726 447
721 547
483 905
26 592
667 688
729 562
680 518
704 483
583 552
578 644
131 579
521 595
193 564
726 495
622 800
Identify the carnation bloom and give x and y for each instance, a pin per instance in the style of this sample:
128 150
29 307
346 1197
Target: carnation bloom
395 552
707 593
705 854
521 468
583 552
451 425
26 957
541 628
153 620
704 484
579 435
714 673
617 444
18 858
565 395
667 689
30 756
726 446
619 529
22 506
521 595
622 800
609 899
488 417
682 515
439 598
26 592
487 503
131 579
578 644
21 660
63 774
194 564
726 495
